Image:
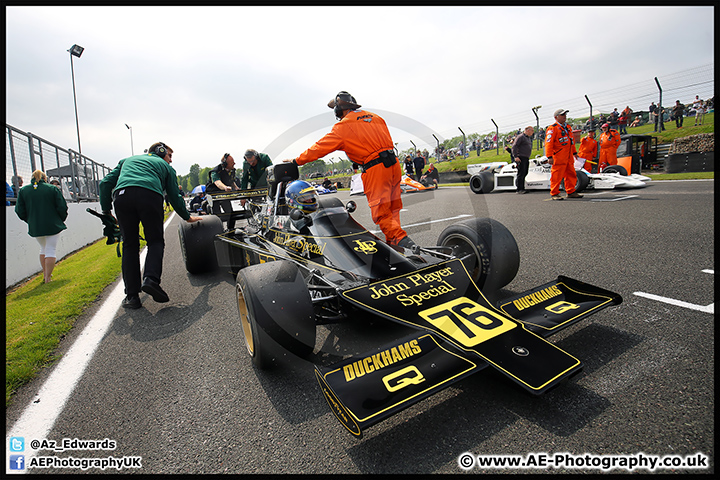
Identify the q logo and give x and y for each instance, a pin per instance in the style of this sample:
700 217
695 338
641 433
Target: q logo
394 385
561 307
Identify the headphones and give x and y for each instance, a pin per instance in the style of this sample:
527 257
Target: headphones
160 150
224 159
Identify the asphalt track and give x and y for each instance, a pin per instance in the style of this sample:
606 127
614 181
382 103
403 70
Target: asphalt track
172 383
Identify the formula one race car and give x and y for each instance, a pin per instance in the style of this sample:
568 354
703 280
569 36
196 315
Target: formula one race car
301 264
486 177
408 185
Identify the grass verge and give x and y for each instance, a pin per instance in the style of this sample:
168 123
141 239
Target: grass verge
39 314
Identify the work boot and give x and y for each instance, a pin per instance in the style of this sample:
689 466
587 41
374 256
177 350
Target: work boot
575 195
407 242
152 287
556 197
131 302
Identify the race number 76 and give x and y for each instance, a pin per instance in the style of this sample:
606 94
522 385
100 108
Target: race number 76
467 322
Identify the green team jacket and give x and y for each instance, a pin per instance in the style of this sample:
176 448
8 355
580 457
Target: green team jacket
252 175
146 171
42 206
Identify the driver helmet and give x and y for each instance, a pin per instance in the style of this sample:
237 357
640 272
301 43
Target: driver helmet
301 195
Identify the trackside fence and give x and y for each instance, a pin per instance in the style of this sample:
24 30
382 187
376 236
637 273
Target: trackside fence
79 176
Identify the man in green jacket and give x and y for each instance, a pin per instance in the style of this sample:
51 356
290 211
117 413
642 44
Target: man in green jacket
254 170
136 188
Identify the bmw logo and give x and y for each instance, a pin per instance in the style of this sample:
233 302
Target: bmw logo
521 351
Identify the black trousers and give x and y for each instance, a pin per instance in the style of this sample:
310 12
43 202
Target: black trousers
522 169
135 205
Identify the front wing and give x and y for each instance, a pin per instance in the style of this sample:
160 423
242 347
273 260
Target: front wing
459 333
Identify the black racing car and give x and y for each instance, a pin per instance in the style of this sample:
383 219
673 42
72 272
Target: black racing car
296 271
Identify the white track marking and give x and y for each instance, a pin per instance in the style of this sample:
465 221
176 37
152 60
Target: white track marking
40 415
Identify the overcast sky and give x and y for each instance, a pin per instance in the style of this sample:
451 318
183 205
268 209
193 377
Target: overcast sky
210 80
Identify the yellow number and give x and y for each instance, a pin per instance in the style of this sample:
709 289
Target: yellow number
467 322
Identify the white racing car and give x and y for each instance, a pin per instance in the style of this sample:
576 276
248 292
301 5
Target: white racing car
486 177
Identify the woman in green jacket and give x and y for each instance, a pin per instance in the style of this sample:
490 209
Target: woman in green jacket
42 206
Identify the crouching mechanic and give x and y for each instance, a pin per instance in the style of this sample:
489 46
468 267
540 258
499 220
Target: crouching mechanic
560 151
365 138
431 177
135 187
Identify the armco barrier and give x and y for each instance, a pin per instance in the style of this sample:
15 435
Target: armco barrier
690 162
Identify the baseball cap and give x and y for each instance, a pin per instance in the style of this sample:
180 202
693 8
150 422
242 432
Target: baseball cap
560 111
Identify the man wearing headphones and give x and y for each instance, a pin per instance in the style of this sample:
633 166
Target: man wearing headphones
366 140
222 179
135 188
254 169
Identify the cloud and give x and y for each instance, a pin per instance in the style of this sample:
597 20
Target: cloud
209 80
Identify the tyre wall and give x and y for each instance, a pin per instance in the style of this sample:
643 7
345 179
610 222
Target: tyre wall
690 162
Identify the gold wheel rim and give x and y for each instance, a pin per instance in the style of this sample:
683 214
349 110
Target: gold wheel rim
245 321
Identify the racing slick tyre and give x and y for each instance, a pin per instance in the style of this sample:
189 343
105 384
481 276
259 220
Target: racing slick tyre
488 249
616 169
582 181
197 243
482 182
276 313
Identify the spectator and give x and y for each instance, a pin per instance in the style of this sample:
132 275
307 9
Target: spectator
677 112
44 209
55 182
590 124
9 193
17 183
637 122
613 119
419 164
409 167
521 149
622 123
135 187
659 120
365 138
560 151
609 143
699 110
652 110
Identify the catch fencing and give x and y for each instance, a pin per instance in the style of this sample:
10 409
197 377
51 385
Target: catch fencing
79 176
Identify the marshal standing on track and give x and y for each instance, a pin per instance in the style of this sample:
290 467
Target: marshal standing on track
560 151
365 138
